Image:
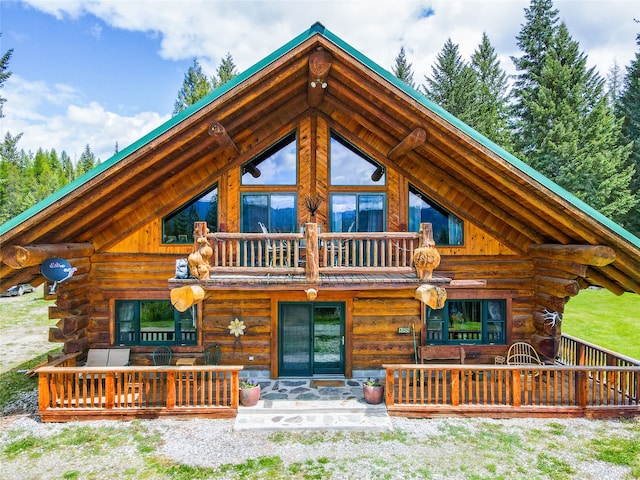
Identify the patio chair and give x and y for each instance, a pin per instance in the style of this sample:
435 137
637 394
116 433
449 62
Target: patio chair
522 353
212 354
162 356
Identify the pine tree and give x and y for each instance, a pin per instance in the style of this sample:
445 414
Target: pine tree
4 74
226 71
614 84
629 109
194 87
86 162
402 69
576 138
453 86
534 40
492 103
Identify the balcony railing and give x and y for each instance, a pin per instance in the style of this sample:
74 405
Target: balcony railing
312 253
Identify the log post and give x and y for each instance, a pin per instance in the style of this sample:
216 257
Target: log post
17 256
312 267
595 255
183 298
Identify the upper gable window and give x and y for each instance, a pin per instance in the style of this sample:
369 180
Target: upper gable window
447 228
177 227
350 166
278 165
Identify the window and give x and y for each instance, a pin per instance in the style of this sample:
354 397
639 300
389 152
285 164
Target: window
278 165
467 321
357 212
277 211
350 166
154 322
447 228
178 226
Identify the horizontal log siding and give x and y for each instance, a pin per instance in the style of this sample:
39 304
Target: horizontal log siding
375 330
254 311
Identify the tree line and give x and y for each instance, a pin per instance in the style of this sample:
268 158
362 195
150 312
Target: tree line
564 119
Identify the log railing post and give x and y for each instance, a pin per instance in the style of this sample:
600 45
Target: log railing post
235 389
171 388
455 388
313 255
109 386
516 388
44 398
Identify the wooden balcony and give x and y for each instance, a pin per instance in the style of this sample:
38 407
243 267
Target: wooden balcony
350 259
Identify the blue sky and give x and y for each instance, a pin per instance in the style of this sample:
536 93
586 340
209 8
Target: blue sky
101 72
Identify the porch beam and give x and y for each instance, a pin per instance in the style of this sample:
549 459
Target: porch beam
320 63
224 141
415 139
18 256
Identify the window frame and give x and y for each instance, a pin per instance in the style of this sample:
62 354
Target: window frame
413 190
268 223
135 323
484 340
382 183
188 240
358 194
274 148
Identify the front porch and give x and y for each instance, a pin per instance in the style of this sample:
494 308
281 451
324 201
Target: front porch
603 385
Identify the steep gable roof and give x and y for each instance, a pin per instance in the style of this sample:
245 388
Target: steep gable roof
492 188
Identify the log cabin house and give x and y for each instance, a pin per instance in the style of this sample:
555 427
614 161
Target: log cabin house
304 186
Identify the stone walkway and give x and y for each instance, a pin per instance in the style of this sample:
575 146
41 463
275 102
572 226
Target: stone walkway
312 404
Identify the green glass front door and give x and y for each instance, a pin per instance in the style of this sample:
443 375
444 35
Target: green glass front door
311 338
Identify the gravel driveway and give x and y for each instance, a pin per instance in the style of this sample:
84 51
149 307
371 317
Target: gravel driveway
439 448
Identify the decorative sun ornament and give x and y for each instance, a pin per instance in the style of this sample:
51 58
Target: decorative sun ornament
237 327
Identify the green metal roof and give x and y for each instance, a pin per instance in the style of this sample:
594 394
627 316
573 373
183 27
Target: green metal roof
318 28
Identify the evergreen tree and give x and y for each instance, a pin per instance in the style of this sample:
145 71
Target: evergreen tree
402 69
4 74
614 84
16 193
226 71
492 103
629 109
576 139
534 40
195 86
67 173
86 162
453 86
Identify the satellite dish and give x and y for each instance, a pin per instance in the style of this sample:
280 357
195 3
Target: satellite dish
56 270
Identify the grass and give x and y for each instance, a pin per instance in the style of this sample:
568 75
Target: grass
14 382
602 318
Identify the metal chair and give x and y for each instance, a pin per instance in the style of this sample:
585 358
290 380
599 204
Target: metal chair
162 356
212 354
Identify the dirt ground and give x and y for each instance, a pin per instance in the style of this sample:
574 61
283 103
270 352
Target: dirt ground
24 328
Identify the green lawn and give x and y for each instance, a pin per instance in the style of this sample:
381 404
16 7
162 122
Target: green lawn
607 320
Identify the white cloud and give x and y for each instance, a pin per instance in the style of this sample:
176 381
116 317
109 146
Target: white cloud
78 124
250 30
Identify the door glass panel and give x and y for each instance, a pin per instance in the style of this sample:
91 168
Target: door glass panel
370 213
295 339
343 212
327 339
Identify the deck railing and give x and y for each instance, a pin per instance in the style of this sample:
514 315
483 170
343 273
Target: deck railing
75 393
573 351
312 253
509 391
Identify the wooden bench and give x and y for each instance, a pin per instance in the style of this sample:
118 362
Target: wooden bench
441 352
